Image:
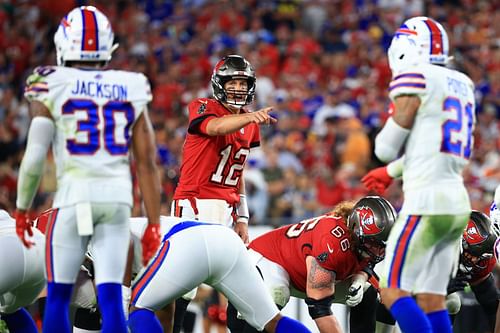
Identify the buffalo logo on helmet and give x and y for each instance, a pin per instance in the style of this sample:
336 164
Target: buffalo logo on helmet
472 235
367 221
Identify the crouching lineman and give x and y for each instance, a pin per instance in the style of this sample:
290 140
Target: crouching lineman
193 253
21 275
476 265
323 259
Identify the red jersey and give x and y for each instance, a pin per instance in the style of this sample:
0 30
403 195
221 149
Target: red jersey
212 165
326 238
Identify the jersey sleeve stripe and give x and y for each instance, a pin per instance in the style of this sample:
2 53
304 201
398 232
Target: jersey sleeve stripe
409 75
254 144
408 84
37 89
195 125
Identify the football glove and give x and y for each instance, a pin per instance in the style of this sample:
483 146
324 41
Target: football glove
23 226
354 294
150 242
377 180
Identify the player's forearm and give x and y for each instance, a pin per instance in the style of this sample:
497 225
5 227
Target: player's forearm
27 186
227 124
149 183
395 168
39 140
328 324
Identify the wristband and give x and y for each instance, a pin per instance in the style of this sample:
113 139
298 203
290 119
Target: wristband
242 210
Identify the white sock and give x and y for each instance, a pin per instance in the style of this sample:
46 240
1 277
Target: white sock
126 294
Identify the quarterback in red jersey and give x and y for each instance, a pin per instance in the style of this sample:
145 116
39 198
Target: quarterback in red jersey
221 133
320 258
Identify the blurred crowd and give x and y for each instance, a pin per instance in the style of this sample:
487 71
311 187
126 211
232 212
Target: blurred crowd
321 64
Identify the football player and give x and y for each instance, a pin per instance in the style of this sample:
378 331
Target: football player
21 277
323 260
220 134
476 264
91 117
195 252
433 120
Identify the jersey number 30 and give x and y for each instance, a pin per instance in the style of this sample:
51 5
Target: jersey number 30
458 125
91 127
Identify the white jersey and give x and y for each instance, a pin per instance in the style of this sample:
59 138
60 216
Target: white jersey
7 223
22 274
440 142
94 112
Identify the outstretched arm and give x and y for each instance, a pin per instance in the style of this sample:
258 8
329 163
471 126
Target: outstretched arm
234 122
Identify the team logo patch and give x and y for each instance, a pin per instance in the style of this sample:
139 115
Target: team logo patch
367 221
322 257
472 235
202 108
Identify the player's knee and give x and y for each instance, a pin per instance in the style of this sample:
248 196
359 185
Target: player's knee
391 295
431 302
453 303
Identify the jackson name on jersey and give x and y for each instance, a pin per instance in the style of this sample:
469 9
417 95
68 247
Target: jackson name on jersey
94 112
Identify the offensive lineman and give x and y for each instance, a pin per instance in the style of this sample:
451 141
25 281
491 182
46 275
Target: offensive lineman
317 259
434 120
91 117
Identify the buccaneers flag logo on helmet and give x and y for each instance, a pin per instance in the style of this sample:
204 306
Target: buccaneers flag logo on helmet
367 221
472 235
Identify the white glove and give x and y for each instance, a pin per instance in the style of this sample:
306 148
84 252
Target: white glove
356 290
355 294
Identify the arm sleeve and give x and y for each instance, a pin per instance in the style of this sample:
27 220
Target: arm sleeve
40 136
198 117
390 140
